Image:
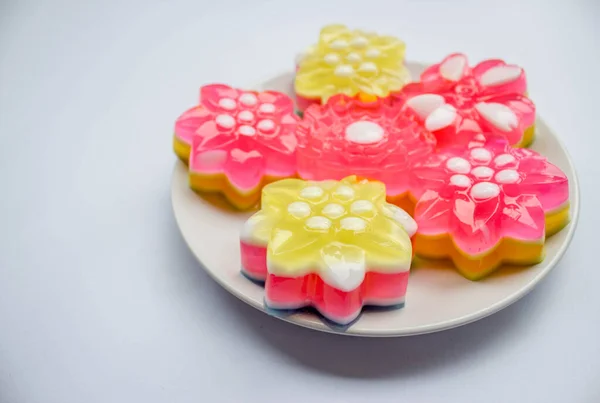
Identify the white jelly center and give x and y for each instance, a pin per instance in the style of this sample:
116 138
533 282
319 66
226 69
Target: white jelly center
364 132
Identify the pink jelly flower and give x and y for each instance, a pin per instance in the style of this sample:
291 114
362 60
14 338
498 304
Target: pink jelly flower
453 99
487 192
245 135
370 139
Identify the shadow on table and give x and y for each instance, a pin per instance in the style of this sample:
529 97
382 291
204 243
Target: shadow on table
357 357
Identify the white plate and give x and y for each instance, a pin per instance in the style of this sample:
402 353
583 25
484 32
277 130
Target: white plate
438 298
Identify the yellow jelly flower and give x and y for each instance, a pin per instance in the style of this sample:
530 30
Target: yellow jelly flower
349 62
340 230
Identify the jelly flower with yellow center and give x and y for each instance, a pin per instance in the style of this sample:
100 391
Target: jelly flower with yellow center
453 100
488 203
372 140
237 141
333 245
349 62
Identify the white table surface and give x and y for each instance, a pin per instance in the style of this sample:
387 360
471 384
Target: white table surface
100 301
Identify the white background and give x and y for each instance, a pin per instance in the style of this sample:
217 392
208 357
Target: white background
100 301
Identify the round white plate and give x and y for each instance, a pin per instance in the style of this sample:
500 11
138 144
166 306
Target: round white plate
438 298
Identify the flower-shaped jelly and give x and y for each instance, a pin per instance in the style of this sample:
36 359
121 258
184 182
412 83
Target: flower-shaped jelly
372 140
348 62
452 99
332 245
488 203
237 141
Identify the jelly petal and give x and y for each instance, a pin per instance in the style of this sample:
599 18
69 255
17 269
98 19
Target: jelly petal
210 95
542 179
189 122
523 218
244 168
489 73
475 224
210 136
508 115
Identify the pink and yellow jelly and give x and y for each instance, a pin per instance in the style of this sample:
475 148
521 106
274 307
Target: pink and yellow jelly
236 141
486 204
371 139
349 62
452 99
335 246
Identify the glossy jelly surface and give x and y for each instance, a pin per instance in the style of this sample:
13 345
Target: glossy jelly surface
330 235
369 139
347 62
238 139
483 194
453 99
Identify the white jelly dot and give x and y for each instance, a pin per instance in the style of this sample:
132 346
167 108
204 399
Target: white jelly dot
267 108
479 137
353 57
318 222
311 192
338 44
453 68
484 190
458 165
507 176
343 70
248 99
460 180
368 67
504 159
266 125
331 58
245 130
481 154
441 117
344 192
225 121
299 209
246 116
364 132
361 207
227 103
359 42
372 53
333 210
498 115
424 104
353 224
500 75
482 172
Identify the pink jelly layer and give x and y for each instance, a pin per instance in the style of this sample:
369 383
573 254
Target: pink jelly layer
254 261
338 306
381 289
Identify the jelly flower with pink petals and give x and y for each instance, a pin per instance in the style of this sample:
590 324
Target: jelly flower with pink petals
487 203
452 99
370 139
237 141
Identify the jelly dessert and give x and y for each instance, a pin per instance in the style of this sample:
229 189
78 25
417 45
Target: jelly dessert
488 203
237 141
347 62
332 245
452 99
370 139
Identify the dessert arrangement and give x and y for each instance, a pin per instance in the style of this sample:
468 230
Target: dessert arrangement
365 170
